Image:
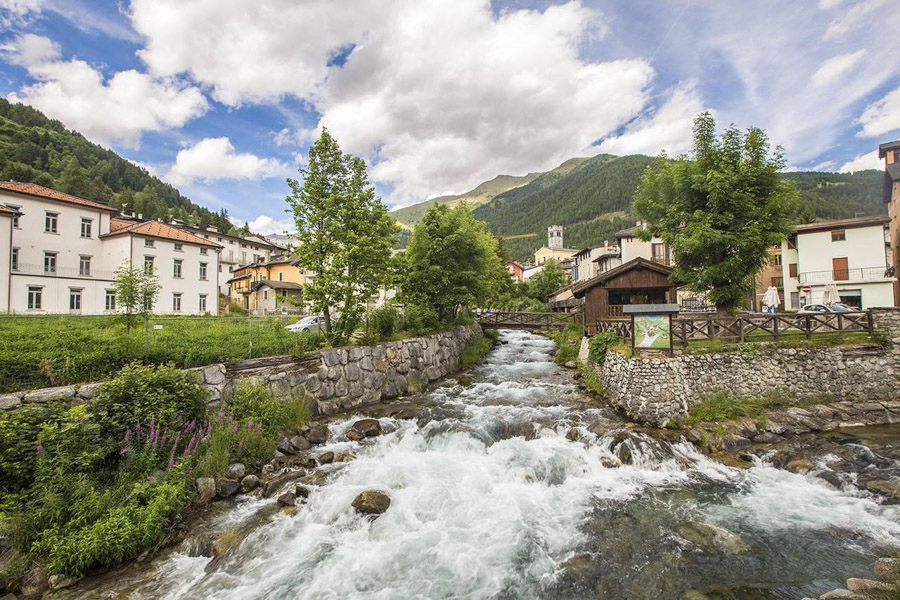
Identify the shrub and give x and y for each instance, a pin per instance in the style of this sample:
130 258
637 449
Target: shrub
598 345
383 321
492 334
256 403
19 430
565 353
421 320
474 351
139 394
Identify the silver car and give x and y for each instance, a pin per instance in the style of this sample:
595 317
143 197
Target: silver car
825 308
310 324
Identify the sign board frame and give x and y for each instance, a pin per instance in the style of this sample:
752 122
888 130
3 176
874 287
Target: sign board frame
652 313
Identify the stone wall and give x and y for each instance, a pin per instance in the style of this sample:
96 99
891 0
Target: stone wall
655 390
339 378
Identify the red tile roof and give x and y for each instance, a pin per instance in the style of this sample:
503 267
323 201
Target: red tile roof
844 224
158 230
32 189
117 225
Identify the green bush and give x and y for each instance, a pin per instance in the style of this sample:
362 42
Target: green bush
598 345
383 321
420 320
139 394
19 431
255 403
565 353
722 406
474 351
492 334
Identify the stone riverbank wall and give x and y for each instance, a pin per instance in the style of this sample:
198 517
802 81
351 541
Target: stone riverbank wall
338 378
655 390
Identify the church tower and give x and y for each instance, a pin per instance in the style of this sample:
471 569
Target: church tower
555 237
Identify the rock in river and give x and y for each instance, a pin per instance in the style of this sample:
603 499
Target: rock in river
206 489
318 434
712 538
367 427
235 471
372 502
249 483
287 499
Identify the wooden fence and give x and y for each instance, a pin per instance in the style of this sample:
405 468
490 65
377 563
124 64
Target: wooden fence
752 327
525 320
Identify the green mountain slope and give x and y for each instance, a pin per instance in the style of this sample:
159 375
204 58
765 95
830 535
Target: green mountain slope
593 201
39 150
484 192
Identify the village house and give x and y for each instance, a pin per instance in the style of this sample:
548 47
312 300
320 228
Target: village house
890 152
269 286
63 252
632 246
770 275
593 260
554 250
854 255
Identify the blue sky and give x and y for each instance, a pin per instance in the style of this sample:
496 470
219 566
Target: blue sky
223 98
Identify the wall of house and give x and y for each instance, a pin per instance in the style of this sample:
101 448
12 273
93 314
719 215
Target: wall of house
338 378
544 254
655 390
633 247
5 258
190 285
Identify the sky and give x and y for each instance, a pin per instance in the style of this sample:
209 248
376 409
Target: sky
222 98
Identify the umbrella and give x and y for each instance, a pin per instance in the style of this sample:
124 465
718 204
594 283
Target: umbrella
831 295
770 298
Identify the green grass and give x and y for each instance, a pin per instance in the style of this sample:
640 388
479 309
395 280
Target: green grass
47 351
591 379
567 342
791 340
474 351
722 406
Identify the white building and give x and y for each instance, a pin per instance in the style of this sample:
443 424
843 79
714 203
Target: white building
634 247
852 254
236 250
62 251
593 261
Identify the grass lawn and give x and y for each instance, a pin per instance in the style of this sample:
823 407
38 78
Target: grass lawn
60 350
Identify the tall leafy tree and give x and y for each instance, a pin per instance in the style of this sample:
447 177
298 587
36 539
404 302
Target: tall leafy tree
719 210
344 235
452 261
551 278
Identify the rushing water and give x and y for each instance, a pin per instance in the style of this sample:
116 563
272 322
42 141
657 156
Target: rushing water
495 496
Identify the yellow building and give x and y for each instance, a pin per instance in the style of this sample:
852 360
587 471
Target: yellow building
271 286
554 250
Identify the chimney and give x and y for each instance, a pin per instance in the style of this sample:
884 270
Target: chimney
212 228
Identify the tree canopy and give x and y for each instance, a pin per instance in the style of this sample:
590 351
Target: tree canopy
719 210
344 236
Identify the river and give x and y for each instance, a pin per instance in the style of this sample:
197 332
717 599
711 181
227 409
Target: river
508 485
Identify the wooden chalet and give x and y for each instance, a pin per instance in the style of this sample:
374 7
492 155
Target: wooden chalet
639 281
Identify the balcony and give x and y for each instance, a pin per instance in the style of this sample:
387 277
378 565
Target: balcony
861 274
66 272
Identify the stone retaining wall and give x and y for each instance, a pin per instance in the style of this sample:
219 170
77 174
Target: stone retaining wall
655 390
339 378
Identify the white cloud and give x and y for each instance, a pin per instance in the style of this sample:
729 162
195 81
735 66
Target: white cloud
437 96
836 66
118 109
862 162
670 128
215 158
296 137
266 225
881 117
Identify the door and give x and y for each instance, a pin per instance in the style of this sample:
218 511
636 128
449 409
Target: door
839 266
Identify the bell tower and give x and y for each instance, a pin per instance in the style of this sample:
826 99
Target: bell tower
555 237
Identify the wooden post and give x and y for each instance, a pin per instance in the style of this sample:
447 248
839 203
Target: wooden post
740 322
684 340
808 321
870 318
775 327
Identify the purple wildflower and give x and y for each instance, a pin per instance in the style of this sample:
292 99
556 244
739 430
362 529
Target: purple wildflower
137 429
190 446
258 427
151 478
234 429
162 442
249 425
128 435
124 451
230 419
221 414
171 462
40 449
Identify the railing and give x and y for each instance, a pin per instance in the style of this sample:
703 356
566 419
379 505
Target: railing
68 272
614 310
525 320
861 274
750 328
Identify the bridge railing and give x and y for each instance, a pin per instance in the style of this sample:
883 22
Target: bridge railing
525 320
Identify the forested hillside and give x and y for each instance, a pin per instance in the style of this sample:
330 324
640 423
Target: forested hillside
36 149
838 195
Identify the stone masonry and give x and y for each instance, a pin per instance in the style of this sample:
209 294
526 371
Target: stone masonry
655 390
339 378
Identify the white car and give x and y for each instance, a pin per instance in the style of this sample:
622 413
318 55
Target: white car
825 308
311 324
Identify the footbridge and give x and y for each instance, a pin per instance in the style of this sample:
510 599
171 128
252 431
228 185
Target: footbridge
525 320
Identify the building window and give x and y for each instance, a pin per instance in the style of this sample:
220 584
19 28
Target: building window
149 243
792 270
50 222
75 299
203 271
15 217
110 299
218 239
179 247
265 294
776 260
148 304
34 297
203 251
86 227
243 258
280 276
148 264
49 262
220 267
176 270
84 265
176 302
838 236
795 300
202 303
778 282
15 259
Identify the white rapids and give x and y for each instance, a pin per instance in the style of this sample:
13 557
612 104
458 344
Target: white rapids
492 499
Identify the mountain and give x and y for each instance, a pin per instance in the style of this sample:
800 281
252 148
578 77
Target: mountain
593 200
39 150
484 192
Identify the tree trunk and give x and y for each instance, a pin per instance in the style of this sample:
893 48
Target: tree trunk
327 314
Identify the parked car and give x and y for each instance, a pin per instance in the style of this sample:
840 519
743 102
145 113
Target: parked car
825 308
310 324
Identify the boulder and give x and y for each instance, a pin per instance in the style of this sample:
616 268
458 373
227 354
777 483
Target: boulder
318 434
888 569
610 462
58 582
10 401
300 443
354 436
285 447
301 491
800 465
89 391
733 442
572 434
34 580
712 538
287 499
885 487
868 587
47 394
372 502
367 427
767 438
225 488
235 471
326 458
249 483
271 487
206 489
571 364
842 595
